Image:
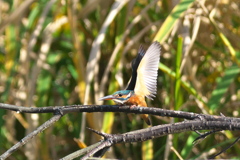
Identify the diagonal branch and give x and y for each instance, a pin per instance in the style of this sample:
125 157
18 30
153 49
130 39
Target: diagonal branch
27 138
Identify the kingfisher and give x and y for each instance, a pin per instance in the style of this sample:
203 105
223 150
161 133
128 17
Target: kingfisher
143 82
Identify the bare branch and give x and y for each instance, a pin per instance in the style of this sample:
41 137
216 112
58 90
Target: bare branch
23 141
80 152
118 108
159 131
194 122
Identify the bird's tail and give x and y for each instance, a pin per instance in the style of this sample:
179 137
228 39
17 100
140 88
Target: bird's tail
146 118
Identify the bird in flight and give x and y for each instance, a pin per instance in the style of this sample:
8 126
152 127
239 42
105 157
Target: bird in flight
143 82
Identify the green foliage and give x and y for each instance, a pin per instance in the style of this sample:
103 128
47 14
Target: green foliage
44 56
223 84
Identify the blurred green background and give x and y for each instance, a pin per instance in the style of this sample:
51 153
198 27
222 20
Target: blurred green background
64 52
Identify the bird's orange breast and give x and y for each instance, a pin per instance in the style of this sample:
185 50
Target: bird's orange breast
137 100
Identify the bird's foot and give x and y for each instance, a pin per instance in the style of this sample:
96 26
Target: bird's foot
132 106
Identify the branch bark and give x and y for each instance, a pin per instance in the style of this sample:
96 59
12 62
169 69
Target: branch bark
31 135
159 131
117 108
192 122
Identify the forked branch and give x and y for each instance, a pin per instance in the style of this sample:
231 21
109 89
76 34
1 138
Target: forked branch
192 122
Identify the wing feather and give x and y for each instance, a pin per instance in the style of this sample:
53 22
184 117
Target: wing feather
135 64
147 72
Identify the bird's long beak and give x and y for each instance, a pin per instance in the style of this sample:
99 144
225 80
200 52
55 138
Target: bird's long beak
109 97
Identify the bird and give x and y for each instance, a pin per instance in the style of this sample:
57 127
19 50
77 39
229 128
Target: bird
143 82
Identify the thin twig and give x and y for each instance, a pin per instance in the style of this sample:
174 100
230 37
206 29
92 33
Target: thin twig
212 157
176 152
203 136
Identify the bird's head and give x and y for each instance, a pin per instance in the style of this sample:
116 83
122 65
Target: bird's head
119 96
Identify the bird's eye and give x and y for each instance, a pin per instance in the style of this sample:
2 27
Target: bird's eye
120 95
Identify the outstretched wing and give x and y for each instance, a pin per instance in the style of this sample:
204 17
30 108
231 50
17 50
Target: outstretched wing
135 64
147 72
